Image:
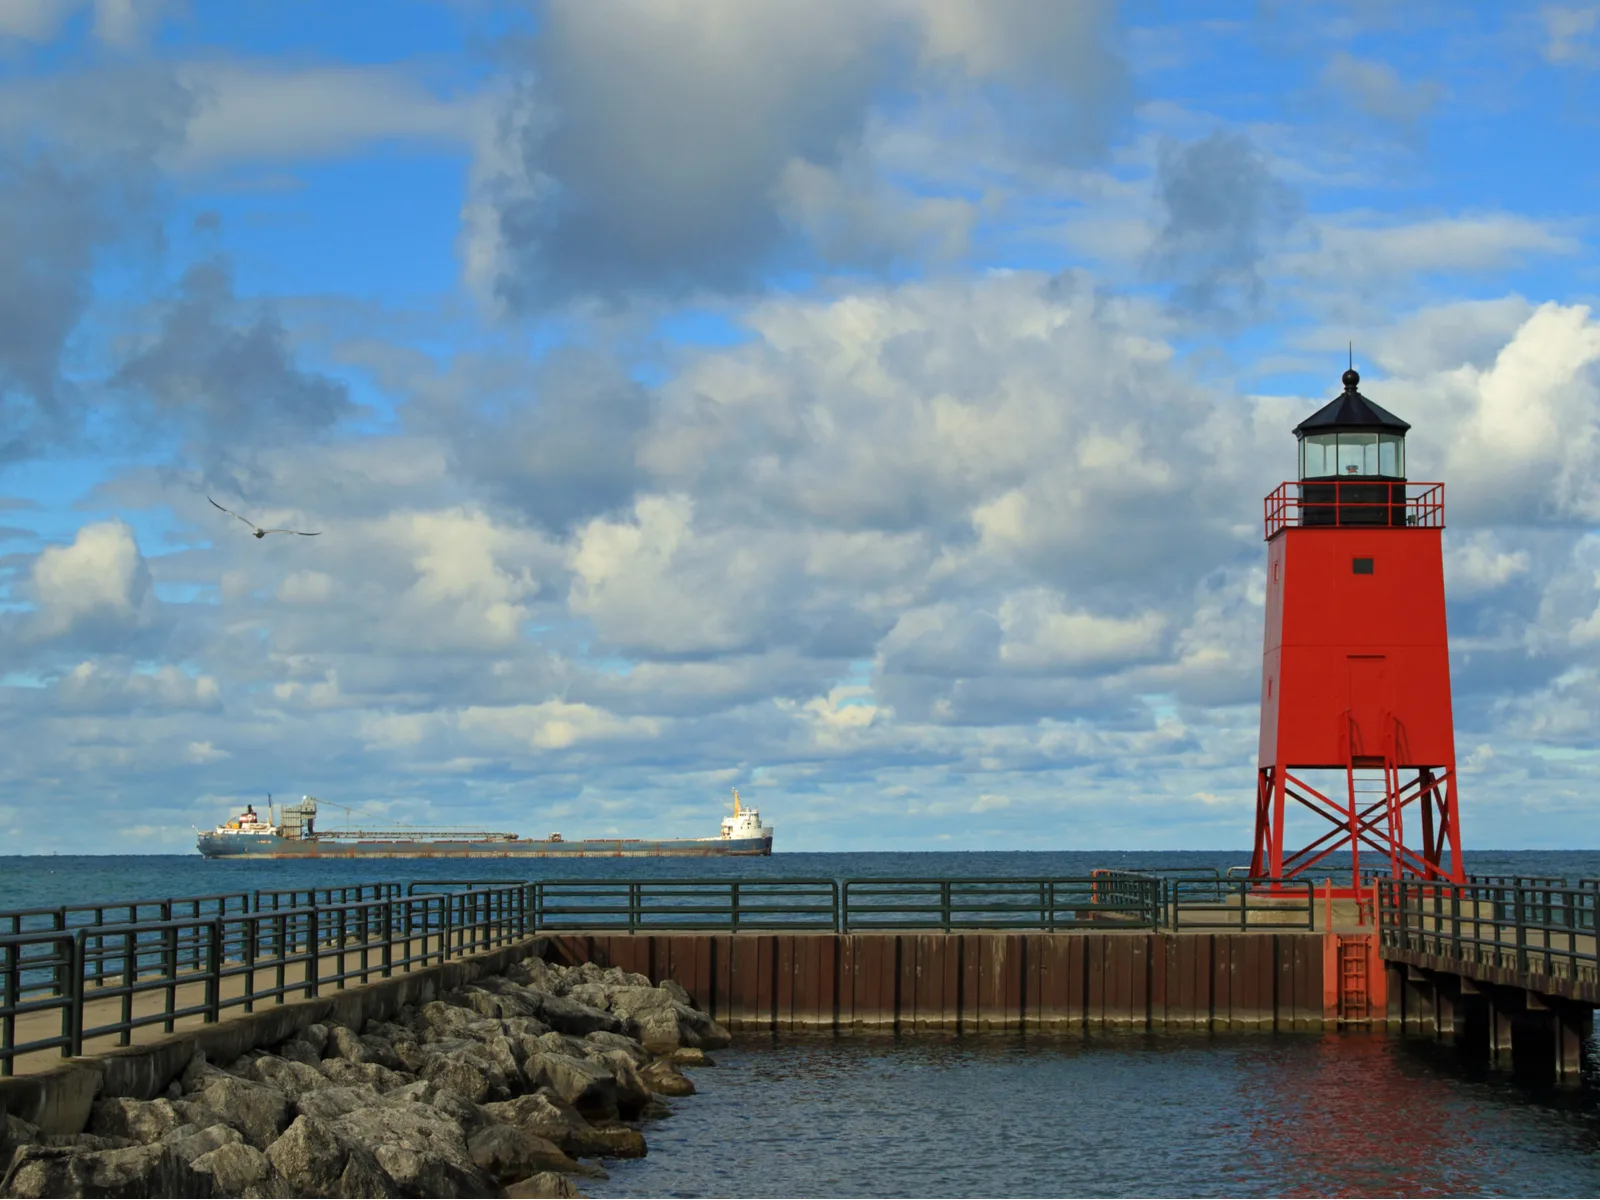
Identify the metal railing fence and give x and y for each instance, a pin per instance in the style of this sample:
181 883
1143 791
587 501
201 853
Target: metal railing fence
643 905
354 893
61 988
1112 898
1240 904
1541 930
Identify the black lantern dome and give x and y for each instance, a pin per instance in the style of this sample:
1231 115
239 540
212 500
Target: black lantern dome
1352 462
1351 437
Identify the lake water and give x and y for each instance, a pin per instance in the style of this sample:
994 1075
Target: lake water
45 881
1113 1115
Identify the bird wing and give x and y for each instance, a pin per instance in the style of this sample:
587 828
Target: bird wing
231 513
301 532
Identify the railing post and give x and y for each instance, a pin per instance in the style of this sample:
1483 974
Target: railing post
944 904
74 1012
1455 921
734 899
214 971
314 949
1522 932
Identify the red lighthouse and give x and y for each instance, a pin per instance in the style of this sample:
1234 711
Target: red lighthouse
1357 741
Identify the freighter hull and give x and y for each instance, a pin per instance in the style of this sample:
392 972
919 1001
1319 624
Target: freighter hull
272 846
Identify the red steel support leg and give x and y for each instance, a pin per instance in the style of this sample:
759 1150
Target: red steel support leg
1452 819
1430 848
1279 780
1259 856
1397 840
1355 828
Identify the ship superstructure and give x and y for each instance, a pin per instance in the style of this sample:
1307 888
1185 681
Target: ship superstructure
295 835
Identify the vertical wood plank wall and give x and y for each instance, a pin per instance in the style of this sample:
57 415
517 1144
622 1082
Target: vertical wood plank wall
975 982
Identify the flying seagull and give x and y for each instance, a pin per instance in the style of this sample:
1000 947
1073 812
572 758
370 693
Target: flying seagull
261 533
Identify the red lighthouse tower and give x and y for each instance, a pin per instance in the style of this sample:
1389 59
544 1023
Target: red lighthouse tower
1356 728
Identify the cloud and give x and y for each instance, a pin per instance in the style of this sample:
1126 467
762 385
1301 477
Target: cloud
561 448
253 112
120 23
100 578
1524 434
222 380
1570 33
1222 209
101 687
66 204
1377 90
664 148
1477 563
1362 256
1041 633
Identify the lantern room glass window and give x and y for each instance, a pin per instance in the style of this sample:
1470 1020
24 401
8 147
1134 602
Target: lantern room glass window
1335 455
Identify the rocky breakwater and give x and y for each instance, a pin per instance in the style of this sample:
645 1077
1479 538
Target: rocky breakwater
510 1086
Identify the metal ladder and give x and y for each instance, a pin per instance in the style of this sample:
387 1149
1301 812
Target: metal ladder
1353 1004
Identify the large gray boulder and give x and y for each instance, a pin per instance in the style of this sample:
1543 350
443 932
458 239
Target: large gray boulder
352 1074
314 1159
332 1102
663 1024
546 1115
546 1185
191 1143
664 1078
468 1117
238 1169
677 991
594 995
142 1121
508 1153
14 1134
300 1051
436 1019
615 1041
632 1091
566 1015
53 1171
290 1076
419 1146
533 973
346 1044
259 1112
609 1140
469 1075
499 1003
589 1087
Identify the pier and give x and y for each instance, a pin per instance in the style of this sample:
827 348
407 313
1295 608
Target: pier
1504 967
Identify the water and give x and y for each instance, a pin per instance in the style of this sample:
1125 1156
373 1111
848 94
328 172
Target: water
1110 1115
46 881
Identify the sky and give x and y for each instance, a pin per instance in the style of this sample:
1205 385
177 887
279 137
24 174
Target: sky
864 405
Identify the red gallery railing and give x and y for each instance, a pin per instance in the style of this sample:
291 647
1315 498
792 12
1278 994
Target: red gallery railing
1351 503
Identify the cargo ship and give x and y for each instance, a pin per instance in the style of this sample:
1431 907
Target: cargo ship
295 836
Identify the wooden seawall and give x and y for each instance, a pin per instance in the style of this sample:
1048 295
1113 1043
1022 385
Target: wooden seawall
994 981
